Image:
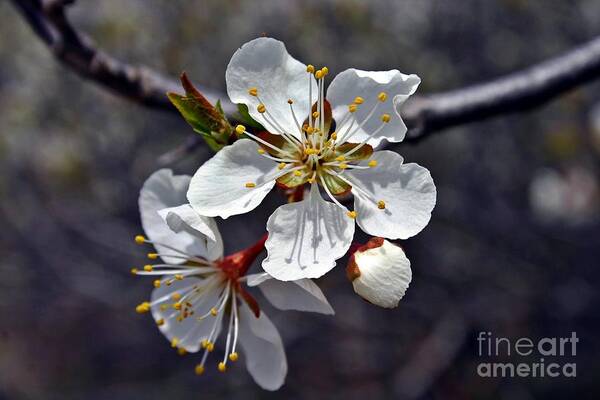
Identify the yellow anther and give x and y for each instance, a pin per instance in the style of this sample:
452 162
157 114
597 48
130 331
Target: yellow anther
148 268
210 346
281 165
179 277
310 68
253 91
351 214
290 101
261 108
199 369
160 322
152 256
315 114
240 129
358 100
143 308
156 283
250 184
134 271
177 306
343 165
204 343
233 356
176 296
319 74
310 129
352 108
325 70
261 150
381 204
386 118
174 342
382 97
310 151
139 239
222 367
181 351
297 173
372 163
214 312
334 135
340 158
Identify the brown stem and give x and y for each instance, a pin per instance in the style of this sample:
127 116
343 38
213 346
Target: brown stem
424 115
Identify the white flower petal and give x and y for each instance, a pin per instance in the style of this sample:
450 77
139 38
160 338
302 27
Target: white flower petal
263 349
305 238
265 64
351 83
219 186
189 332
407 190
300 295
183 218
256 279
383 274
161 190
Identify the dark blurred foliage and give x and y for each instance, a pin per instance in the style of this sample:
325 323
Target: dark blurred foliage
512 248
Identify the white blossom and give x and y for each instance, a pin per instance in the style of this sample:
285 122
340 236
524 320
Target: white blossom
200 296
323 141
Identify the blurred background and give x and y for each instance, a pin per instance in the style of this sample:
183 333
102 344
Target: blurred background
512 248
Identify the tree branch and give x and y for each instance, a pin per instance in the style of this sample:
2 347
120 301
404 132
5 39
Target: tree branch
423 115
75 50
520 91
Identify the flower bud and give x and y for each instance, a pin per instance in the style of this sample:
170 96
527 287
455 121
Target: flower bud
380 272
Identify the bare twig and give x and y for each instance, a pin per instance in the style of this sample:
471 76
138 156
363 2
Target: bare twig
424 115
75 50
520 91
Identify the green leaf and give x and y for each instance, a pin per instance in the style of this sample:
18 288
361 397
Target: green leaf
190 110
211 142
220 108
203 117
247 119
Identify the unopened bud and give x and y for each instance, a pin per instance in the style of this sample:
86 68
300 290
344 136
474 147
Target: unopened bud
380 272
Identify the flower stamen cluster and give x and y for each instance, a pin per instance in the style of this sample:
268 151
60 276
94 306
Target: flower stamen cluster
315 152
222 277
